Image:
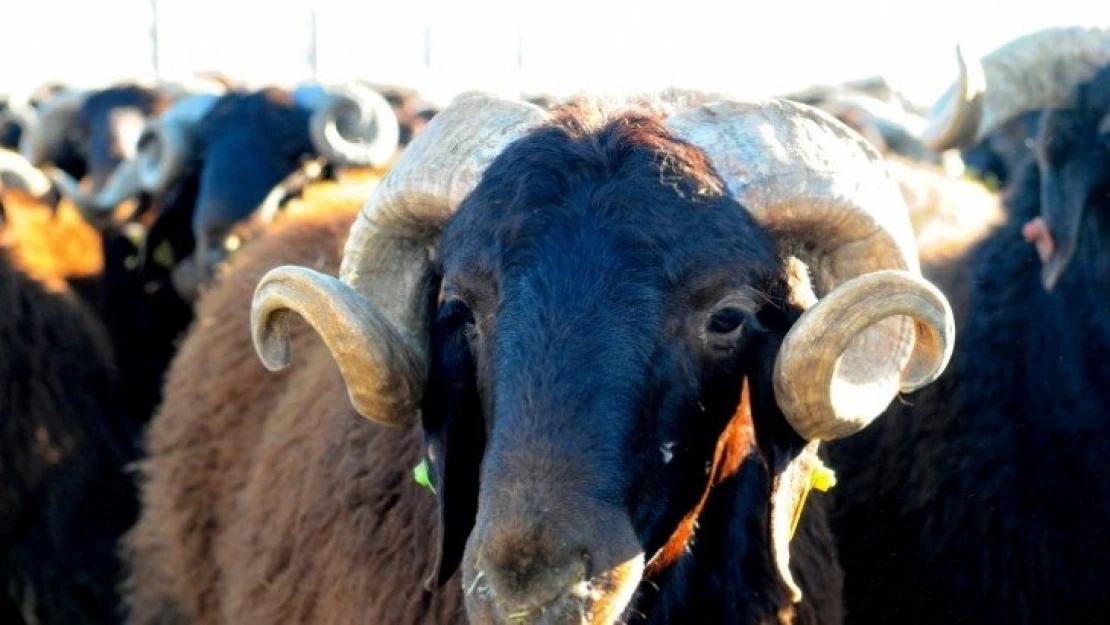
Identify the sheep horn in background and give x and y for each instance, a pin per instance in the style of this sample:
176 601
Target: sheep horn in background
18 115
166 144
1037 71
825 193
46 130
121 185
354 126
18 173
375 317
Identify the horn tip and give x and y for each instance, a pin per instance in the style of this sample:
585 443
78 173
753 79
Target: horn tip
271 342
268 320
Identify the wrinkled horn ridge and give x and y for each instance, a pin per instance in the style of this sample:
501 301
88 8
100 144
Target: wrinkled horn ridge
384 376
826 195
386 272
818 348
1037 71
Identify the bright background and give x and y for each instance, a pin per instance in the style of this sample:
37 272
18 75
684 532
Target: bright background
742 47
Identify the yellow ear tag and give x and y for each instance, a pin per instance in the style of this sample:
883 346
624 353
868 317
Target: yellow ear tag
422 476
820 477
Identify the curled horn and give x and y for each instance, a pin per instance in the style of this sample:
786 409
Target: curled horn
18 173
355 126
166 144
374 318
95 206
18 116
1037 71
44 135
825 193
162 153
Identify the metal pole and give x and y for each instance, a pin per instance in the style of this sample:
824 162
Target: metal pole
155 62
519 48
428 44
313 53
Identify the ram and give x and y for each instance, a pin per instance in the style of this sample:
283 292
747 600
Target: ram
200 171
984 498
211 160
994 150
620 365
87 133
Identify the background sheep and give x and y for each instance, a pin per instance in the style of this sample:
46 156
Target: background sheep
65 498
984 498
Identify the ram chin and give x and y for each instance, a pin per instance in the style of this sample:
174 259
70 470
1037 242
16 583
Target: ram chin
602 600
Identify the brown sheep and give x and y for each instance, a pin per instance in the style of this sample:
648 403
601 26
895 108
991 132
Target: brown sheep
53 245
230 454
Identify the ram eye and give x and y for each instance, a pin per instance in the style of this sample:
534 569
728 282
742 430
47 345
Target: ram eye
726 322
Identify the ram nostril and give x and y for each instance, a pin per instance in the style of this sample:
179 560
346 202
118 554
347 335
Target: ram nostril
527 571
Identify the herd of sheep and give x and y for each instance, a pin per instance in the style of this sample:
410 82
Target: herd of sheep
334 355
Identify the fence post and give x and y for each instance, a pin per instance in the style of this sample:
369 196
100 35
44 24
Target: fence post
428 43
155 62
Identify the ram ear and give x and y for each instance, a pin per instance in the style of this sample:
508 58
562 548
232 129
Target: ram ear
792 463
454 442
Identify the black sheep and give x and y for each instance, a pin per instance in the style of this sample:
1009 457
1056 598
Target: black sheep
605 347
985 498
64 496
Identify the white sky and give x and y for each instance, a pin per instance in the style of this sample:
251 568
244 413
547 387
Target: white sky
747 47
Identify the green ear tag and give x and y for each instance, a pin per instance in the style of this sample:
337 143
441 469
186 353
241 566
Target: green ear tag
163 255
422 475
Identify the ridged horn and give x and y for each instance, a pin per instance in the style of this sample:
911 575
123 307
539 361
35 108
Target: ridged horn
825 193
1036 71
374 318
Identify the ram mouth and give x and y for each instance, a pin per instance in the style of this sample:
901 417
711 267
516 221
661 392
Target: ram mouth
602 600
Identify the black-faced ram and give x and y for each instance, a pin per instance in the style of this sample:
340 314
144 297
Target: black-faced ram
602 321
